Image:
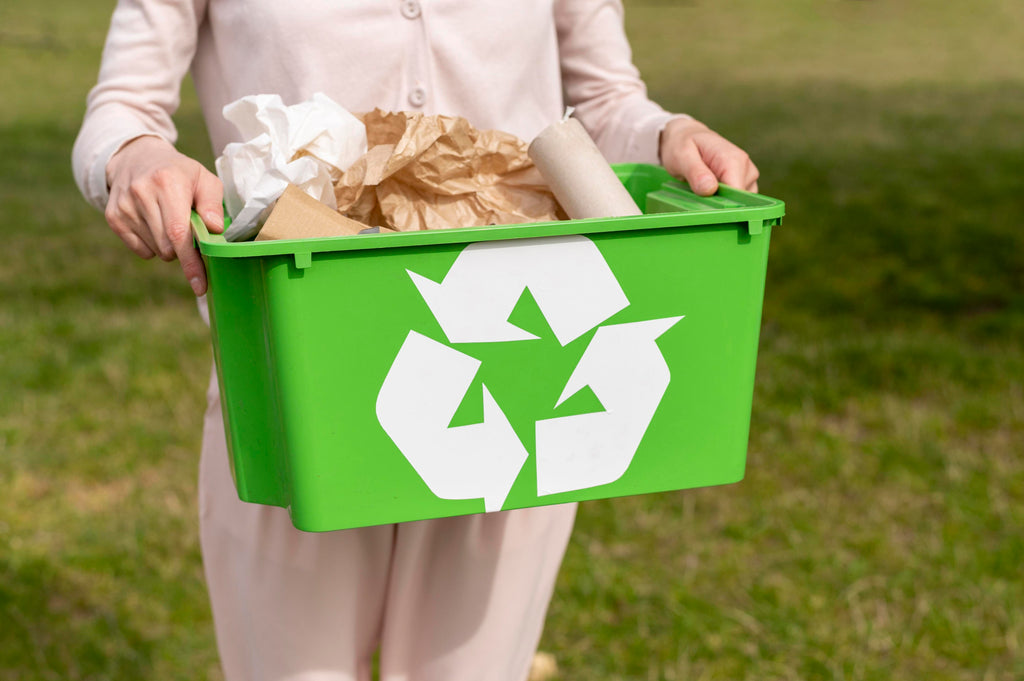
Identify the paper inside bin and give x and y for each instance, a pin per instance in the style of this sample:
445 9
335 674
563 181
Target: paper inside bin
299 216
307 145
578 173
437 172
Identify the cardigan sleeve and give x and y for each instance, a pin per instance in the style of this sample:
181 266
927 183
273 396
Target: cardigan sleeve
149 48
602 83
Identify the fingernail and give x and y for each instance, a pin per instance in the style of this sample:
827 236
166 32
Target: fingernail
214 219
197 286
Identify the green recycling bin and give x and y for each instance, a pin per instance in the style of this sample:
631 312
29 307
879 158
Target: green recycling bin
383 378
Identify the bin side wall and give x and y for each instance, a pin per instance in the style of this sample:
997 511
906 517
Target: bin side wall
339 324
240 327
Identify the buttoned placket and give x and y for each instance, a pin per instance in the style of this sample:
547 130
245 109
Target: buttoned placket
417 77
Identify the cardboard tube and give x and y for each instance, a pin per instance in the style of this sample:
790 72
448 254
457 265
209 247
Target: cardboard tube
579 175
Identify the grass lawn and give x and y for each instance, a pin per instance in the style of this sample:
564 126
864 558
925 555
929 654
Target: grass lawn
878 532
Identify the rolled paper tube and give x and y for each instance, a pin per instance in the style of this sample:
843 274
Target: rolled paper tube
578 173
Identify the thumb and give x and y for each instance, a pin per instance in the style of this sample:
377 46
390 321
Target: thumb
209 194
685 161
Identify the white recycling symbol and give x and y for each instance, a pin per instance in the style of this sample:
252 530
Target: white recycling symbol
428 380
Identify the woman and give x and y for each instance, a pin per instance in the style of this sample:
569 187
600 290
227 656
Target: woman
458 598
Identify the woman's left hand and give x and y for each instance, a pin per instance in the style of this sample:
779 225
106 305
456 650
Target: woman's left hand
692 151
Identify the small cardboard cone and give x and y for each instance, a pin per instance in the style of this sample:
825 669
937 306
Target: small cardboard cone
300 216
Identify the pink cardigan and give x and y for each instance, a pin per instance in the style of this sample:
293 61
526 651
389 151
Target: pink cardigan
501 64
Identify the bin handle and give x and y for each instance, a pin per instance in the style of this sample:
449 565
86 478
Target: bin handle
199 231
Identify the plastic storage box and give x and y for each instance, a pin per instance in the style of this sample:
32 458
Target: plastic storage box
384 378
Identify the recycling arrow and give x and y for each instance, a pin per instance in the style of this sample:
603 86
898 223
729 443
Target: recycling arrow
626 371
418 400
576 291
567 276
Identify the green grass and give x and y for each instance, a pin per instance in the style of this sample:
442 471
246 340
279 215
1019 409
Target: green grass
877 534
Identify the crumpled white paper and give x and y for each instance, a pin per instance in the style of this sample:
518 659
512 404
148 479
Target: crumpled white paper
308 145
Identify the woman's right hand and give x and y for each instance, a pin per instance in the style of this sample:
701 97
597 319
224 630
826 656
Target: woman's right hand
153 189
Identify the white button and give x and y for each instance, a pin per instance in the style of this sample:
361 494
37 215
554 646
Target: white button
418 97
411 9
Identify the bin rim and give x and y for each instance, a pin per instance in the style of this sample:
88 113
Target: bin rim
756 210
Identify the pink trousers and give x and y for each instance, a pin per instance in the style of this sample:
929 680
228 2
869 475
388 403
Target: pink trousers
453 599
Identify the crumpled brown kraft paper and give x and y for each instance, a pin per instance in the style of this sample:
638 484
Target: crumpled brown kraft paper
438 172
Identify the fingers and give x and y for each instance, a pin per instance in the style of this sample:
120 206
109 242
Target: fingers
123 218
702 157
153 189
736 168
209 196
685 160
730 164
147 198
175 210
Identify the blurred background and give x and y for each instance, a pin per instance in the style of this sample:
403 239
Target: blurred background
878 534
